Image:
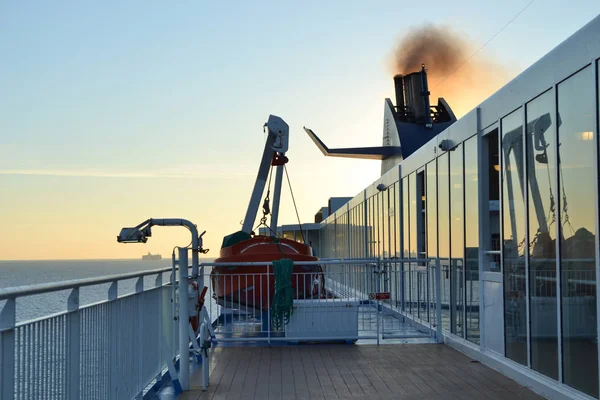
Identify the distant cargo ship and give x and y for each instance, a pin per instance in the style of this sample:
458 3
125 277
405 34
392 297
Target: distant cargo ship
151 257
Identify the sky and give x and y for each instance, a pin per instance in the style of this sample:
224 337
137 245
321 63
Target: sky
114 112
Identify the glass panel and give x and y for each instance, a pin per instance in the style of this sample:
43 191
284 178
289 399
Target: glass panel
577 174
542 234
391 219
384 224
431 207
288 235
472 239
372 233
397 216
457 226
413 215
406 235
376 225
513 207
444 236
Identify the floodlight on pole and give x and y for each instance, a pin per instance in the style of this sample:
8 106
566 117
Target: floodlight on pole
140 234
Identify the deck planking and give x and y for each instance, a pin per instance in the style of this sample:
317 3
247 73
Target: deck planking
402 371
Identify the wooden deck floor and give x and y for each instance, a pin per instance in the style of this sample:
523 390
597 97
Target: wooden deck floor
408 371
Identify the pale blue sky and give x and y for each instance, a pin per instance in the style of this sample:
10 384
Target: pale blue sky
110 110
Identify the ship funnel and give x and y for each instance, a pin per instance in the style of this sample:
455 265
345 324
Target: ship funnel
399 85
412 97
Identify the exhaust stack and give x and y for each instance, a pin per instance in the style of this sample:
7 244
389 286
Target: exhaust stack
412 98
399 85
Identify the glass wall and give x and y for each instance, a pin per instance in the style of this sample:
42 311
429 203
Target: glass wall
513 241
392 218
385 223
405 219
372 234
545 227
472 239
444 235
397 219
412 193
376 226
341 230
431 209
457 226
577 182
541 150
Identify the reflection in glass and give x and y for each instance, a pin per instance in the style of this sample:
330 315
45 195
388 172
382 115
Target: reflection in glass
376 227
405 218
361 223
457 226
542 234
385 221
372 233
397 214
413 214
513 243
472 239
444 236
577 185
431 208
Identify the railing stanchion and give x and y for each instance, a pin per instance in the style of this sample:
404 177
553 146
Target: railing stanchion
184 358
438 299
269 305
73 344
7 349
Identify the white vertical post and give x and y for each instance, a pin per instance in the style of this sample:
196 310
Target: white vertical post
596 69
438 299
184 357
269 303
7 349
114 364
159 320
205 359
173 302
73 345
139 329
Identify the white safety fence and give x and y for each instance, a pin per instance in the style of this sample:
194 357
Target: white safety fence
342 300
113 349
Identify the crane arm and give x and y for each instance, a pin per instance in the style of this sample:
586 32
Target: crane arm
276 143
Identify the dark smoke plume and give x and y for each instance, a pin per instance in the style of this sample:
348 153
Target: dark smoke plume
438 48
463 81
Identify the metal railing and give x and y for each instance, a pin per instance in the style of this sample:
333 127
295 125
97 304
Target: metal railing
107 350
343 299
119 347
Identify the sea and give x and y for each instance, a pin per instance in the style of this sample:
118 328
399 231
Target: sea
24 273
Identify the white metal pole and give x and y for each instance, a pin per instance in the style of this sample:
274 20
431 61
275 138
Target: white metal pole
438 300
276 197
173 303
193 231
184 357
7 349
73 341
205 360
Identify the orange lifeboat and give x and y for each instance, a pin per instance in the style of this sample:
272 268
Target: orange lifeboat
254 286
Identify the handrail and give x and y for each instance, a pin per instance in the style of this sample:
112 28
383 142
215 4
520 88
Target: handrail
28 290
321 262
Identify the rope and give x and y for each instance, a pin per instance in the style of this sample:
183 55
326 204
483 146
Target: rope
283 299
565 207
266 208
295 208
